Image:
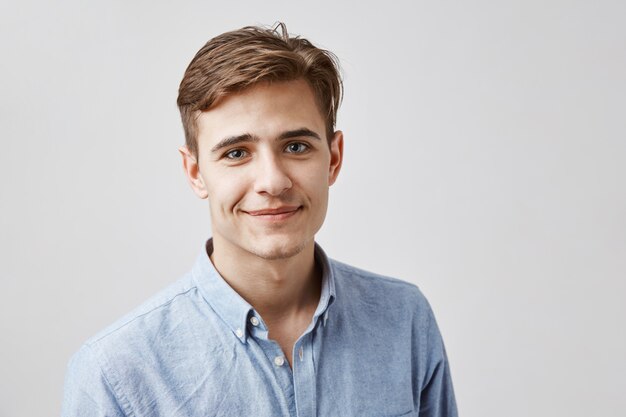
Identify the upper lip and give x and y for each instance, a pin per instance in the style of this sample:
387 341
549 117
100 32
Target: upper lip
271 211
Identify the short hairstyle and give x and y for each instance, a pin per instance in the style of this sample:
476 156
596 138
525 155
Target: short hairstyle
236 60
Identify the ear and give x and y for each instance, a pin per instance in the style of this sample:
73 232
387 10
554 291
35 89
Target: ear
192 171
336 156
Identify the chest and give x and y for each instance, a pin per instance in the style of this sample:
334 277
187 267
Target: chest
330 375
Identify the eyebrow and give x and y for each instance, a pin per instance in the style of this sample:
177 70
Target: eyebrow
247 138
234 140
299 133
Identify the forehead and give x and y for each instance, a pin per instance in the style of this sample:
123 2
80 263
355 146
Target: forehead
264 110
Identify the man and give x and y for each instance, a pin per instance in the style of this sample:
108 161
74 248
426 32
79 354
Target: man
265 324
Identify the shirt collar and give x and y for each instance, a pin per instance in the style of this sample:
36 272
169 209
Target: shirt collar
232 308
328 295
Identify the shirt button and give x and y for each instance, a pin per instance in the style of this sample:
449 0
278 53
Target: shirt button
279 361
301 353
254 321
239 333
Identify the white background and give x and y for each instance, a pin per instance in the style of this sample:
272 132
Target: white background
485 162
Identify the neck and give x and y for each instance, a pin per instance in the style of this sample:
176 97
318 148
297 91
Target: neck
278 289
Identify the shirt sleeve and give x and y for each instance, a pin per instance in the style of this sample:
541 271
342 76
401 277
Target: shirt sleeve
87 392
437 395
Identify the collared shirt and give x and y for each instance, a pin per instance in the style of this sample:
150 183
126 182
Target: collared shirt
199 349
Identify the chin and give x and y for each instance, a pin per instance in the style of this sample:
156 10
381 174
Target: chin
277 248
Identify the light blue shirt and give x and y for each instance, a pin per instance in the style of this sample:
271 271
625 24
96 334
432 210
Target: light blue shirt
199 349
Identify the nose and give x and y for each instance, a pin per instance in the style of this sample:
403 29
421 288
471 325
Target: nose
271 177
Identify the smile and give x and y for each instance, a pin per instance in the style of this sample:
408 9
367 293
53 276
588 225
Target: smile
274 214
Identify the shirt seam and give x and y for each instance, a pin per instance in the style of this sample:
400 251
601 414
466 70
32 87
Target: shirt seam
134 318
372 275
120 399
428 373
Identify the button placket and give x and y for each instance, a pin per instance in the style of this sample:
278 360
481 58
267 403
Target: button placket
304 378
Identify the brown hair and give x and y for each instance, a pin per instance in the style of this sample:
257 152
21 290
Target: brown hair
239 59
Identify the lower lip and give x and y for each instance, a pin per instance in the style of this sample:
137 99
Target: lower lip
275 217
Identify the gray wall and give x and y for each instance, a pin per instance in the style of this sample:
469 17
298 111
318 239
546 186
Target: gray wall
485 162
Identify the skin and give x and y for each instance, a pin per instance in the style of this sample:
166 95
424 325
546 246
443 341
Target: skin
265 166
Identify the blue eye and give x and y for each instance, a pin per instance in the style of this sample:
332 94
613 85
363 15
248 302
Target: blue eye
297 147
235 154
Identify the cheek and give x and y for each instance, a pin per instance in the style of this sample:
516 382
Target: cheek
316 186
225 192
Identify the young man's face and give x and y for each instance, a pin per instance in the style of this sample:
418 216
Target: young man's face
265 165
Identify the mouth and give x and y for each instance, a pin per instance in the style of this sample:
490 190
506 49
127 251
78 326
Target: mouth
274 214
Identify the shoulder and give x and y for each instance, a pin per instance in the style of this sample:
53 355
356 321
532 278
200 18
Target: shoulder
150 313
98 372
350 271
159 325
372 289
361 280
